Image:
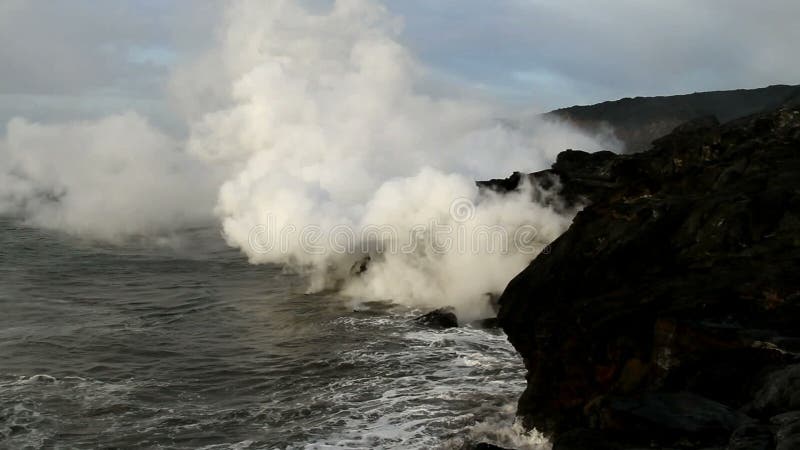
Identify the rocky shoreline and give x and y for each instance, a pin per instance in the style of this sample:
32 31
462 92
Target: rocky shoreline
636 122
667 315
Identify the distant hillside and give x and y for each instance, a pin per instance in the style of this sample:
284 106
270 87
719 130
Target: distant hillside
639 121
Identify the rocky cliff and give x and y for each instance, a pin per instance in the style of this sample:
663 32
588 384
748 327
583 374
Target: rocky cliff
668 315
636 122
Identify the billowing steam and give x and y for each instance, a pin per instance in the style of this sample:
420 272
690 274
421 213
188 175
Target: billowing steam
107 179
328 132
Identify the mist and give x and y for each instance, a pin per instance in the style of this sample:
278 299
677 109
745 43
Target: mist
106 179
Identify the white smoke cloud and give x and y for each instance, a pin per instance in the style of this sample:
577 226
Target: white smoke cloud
329 111
108 178
320 118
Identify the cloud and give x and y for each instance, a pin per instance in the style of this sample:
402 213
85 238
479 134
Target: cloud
581 51
83 59
73 47
537 52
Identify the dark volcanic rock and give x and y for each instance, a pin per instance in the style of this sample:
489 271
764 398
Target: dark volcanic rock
787 436
664 416
502 185
779 391
752 437
679 276
673 419
489 323
487 446
585 438
637 122
439 318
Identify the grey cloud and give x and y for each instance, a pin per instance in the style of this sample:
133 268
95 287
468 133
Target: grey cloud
83 59
69 47
535 51
592 50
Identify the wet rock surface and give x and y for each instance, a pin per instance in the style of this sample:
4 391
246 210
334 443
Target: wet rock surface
779 391
752 437
490 323
787 430
439 318
487 446
668 315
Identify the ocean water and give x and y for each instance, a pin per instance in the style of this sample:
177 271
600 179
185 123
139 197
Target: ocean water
180 343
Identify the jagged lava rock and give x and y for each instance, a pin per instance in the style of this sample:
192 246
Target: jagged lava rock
439 318
681 274
787 436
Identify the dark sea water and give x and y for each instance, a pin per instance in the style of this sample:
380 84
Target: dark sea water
180 343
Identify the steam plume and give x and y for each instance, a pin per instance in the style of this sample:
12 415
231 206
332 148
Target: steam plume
331 114
314 118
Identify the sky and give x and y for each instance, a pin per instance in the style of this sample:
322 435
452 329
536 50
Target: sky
84 59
